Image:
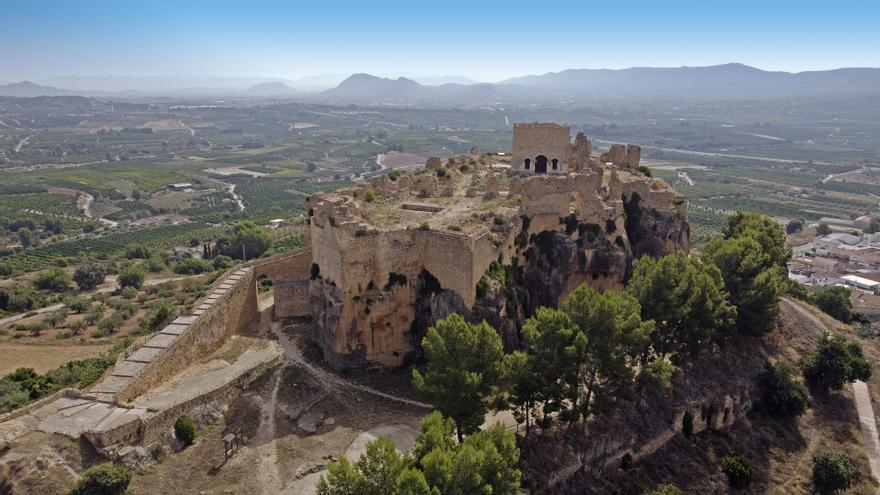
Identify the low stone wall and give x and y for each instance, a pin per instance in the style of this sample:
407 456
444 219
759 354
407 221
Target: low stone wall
289 273
147 427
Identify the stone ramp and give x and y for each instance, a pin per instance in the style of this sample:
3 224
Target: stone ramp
206 377
868 424
135 362
75 416
82 418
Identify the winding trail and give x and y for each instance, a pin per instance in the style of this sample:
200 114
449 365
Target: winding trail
270 478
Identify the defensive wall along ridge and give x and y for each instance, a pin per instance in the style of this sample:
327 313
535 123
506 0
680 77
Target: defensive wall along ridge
142 395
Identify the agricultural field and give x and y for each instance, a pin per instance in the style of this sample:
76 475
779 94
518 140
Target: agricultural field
107 165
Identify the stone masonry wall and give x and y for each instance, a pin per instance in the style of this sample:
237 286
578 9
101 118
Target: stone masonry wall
289 273
228 308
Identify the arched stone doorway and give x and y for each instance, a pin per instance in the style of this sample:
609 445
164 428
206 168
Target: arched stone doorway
265 293
540 164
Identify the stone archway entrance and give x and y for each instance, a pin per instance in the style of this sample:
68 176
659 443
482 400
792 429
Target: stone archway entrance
540 164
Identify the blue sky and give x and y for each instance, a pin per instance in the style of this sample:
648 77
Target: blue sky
483 40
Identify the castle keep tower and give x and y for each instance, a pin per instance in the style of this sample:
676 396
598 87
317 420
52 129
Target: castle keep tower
541 148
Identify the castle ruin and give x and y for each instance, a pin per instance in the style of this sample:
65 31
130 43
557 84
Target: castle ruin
392 255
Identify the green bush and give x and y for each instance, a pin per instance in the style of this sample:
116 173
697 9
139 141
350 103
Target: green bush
88 276
369 195
185 430
781 395
136 251
17 298
103 479
193 266
155 264
77 304
222 262
832 472
128 293
131 277
157 317
835 363
53 280
737 469
835 301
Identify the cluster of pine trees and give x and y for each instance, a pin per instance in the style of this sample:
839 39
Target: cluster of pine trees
597 350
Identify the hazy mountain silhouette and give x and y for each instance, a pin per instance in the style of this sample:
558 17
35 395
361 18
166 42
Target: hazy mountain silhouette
369 86
276 88
29 89
728 80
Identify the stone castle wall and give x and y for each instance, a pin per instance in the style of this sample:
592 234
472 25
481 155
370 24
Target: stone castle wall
229 307
363 301
289 273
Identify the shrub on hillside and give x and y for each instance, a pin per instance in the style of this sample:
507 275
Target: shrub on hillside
136 251
53 280
192 266
835 301
157 317
131 277
835 363
17 298
222 262
737 469
781 395
89 275
185 430
832 472
103 479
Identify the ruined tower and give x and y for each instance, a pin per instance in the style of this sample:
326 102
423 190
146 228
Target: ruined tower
541 148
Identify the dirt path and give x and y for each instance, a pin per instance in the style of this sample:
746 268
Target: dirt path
16 317
22 143
85 204
868 424
267 470
293 355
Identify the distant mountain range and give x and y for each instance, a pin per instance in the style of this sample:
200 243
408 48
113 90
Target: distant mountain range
728 81
735 81
27 89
